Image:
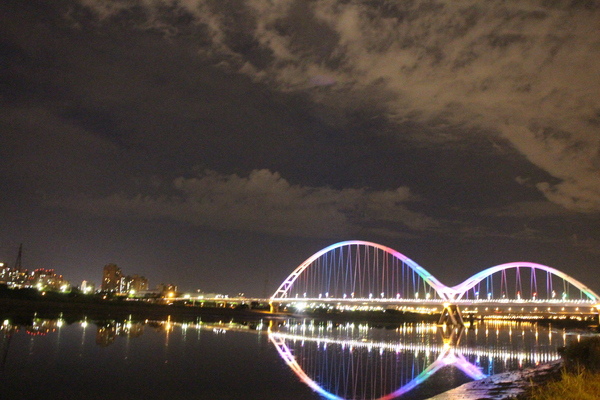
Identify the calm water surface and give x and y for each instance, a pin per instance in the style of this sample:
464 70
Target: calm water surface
283 359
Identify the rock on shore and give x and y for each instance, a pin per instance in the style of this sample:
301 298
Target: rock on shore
507 385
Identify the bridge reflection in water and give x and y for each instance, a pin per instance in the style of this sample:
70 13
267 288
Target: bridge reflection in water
356 362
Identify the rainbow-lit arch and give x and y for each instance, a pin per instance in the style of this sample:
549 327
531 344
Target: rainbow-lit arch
470 283
448 356
443 291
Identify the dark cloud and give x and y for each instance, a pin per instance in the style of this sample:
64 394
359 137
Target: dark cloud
438 127
265 202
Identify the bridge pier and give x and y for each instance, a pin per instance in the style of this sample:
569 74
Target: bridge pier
451 315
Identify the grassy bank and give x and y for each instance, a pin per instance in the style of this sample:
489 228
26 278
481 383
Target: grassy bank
584 385
580 378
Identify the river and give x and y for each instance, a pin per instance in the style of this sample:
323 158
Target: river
267 359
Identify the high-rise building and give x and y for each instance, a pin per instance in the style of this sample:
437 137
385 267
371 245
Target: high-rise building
133 284
111 278
139 283
47 279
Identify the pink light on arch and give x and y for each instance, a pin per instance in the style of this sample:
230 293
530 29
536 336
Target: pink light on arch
439 287
446 357
446 293
462 288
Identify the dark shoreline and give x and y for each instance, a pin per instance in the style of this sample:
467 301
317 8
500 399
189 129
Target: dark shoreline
103 310
97 309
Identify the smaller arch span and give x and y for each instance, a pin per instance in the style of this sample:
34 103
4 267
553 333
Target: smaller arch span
282 291
461 289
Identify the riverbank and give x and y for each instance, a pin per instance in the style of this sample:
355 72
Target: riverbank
29 302
575 376
97 308
136 310
508 385
54 305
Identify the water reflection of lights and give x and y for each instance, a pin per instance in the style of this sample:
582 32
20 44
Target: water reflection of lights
446 357
356 353
309 352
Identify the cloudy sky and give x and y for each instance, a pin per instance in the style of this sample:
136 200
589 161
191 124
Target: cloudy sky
217 144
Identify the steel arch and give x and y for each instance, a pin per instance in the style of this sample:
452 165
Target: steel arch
447 356
462 288
444 291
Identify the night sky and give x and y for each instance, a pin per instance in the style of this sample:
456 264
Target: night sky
217 144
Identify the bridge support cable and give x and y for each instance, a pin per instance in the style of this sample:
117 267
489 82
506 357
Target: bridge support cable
363 275
359 270
528 281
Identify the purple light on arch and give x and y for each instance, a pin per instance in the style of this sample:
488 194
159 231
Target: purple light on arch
468 284
446 293
439 287
446 357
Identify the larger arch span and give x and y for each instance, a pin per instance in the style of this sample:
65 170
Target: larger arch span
461 289
283 291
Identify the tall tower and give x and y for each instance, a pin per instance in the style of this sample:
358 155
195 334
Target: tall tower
19 262
111 278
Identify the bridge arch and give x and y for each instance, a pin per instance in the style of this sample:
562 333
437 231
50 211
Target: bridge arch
551 274
352 253
397 378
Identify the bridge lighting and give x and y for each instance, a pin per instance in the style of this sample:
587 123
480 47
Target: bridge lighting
304 294
489 295
382 295
416 295
352 294
326 294
397 295
428 296
344 295
370 295
320 295
553 294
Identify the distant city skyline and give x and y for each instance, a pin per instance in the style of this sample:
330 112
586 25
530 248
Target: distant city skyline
218 145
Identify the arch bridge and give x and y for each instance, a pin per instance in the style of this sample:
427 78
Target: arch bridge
362 275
